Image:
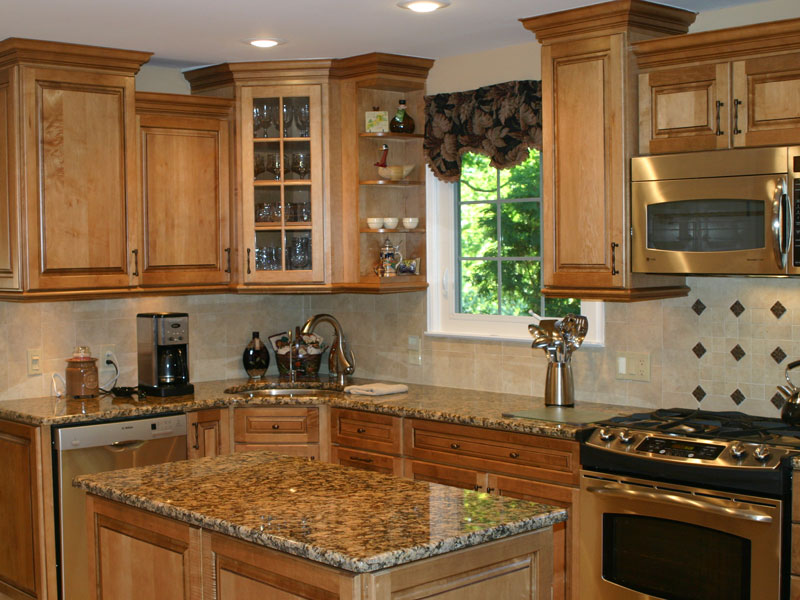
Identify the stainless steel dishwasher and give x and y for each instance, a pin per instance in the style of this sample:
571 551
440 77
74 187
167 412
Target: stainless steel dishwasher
95 448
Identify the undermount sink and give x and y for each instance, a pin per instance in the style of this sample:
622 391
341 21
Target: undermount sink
285 392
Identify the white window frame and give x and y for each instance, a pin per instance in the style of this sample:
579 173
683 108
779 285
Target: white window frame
443 320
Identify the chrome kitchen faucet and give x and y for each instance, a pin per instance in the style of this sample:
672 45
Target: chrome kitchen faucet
340 360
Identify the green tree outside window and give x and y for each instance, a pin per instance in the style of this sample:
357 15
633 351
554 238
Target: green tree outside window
499 241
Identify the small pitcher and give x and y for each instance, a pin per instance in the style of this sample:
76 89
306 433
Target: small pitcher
389 257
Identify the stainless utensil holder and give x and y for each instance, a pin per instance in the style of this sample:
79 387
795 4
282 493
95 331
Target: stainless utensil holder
558 388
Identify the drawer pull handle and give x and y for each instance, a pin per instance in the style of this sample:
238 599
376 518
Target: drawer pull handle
361 430
276 426
476 487
514 454
196 445
360 459
489 490
455 446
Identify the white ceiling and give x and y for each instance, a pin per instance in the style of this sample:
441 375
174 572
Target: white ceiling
188 33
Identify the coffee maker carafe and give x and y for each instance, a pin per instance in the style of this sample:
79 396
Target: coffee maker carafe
163 345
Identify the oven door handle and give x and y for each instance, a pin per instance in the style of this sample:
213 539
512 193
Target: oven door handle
664 498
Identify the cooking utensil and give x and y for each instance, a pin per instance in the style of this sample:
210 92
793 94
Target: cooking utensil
791 408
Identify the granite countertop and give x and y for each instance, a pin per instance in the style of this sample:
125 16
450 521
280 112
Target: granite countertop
355 520
451 405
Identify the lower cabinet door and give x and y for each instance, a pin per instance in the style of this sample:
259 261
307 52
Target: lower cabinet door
368 461
564 571
208 433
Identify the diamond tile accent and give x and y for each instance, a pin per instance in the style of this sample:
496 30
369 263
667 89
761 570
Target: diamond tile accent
737 352
698 307
778 309
777 401
737 396
737 308
699 393
699 350
778 355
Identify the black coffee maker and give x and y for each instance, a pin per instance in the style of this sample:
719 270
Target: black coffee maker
163 347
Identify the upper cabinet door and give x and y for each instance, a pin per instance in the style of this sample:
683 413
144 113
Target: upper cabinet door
185 191
80 179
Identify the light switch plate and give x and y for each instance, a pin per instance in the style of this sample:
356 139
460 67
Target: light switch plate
633 366
34 361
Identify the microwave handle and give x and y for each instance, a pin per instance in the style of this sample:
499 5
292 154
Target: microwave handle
781 223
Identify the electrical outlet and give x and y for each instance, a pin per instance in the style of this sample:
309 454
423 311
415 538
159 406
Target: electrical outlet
34 361
414 354
633 366
106 352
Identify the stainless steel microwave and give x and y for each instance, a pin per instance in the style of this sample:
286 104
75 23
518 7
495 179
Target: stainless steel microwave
722 212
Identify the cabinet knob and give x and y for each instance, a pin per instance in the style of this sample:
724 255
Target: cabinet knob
489 490
477 487
276 426
514 454
455 446
361 430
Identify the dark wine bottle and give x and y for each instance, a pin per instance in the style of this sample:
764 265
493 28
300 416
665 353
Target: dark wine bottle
401 122
256 357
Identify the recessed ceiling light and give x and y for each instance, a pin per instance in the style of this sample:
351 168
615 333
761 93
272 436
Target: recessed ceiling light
263 43
424 6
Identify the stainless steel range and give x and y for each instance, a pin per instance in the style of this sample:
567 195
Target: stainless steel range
686 505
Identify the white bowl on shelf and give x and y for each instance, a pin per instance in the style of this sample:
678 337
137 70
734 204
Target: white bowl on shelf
410 222
390 222
375 222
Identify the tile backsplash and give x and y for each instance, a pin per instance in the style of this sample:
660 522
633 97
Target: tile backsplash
723 347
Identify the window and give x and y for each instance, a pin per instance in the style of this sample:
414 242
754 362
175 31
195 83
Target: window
485 244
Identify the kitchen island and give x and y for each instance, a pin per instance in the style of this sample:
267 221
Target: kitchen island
263 525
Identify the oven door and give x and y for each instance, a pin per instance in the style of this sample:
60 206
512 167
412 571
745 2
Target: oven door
714 225
644 539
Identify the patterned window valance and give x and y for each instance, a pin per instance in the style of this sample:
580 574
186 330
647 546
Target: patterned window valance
499 121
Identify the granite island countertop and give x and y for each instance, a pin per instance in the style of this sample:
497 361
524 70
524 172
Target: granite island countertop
354 520
450 405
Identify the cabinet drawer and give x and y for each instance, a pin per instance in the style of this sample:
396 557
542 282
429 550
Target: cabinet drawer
306 450
276 425
796 499
369 461
452 476
356 429
531 456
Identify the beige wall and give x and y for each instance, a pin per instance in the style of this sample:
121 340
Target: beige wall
151 78
378 327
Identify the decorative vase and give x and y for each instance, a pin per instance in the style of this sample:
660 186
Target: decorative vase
256 357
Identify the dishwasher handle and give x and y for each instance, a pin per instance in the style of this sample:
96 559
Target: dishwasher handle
125 446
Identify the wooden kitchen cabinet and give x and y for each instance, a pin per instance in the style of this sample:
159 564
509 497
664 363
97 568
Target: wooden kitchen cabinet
589 131
288 430
728 88
21 567
74 161
366 82
368 441
185 197
208 432
505 463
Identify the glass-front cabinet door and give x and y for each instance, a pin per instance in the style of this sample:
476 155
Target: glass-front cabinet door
282 189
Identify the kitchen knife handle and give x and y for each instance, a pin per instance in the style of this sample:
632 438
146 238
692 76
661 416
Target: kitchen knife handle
228 252
135 253
614 247
248 261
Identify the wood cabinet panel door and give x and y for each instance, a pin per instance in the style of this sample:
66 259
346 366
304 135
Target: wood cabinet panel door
583 186
80 178
19 525
768 90
9 252
685 109
208 433
185 200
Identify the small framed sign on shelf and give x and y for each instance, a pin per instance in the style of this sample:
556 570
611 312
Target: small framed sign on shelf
377 121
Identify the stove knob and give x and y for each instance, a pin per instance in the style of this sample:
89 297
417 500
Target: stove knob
626 437
761 453
606 435
738 450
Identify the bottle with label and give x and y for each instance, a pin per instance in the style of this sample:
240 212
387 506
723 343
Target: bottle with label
401 122
256 357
